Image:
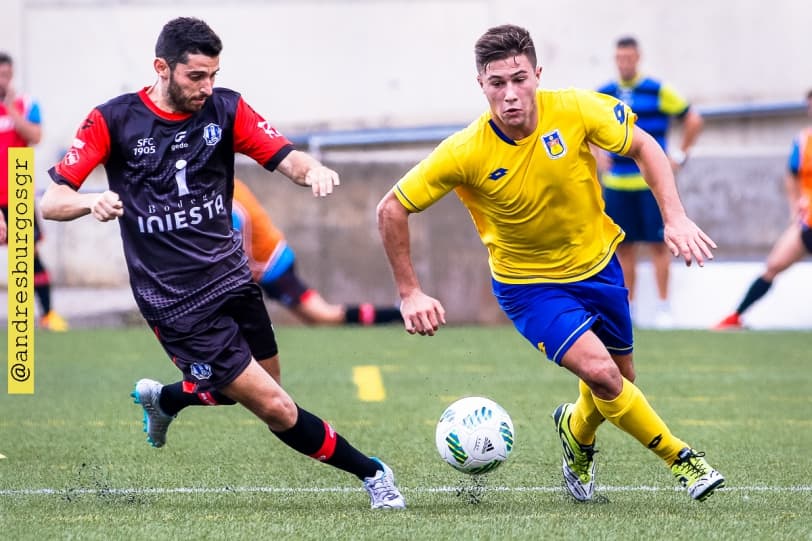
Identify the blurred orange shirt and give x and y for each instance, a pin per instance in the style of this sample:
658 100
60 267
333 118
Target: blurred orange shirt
262 240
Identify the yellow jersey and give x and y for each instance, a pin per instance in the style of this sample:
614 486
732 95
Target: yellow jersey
536 203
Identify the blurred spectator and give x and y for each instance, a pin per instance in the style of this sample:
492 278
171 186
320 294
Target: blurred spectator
796 241
629 201
20 127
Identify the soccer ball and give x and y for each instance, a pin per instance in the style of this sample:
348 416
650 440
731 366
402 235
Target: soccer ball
474 435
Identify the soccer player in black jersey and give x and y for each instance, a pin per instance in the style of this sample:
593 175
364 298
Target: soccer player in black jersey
168 151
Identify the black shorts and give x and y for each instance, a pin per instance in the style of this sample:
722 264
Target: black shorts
37 230
287 288
214 344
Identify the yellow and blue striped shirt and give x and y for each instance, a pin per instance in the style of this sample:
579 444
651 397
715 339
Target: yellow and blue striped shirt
654 103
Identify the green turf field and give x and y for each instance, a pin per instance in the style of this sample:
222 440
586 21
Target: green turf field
77 465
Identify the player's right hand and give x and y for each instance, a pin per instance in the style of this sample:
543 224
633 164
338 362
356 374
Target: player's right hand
107 206
321 180
422 314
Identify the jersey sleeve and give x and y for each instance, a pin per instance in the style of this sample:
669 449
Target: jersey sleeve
33 115
255 137
608 121
794 161
671 102
91 147
431 179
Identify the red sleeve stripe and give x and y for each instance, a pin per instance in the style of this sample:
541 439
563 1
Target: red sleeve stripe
257 138
90 147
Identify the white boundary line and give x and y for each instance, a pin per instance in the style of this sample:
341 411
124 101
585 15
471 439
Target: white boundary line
304 490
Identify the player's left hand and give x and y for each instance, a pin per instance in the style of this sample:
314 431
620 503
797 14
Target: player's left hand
321 180
684 238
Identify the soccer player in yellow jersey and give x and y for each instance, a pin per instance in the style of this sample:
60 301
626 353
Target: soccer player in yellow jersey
525 172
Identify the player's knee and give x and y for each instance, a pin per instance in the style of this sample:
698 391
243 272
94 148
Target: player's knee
279 412
604 378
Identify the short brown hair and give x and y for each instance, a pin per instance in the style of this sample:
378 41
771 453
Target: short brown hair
183 36
502 42
627 41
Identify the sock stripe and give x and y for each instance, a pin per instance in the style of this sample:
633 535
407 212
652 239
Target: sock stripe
366 313
328 446
207 398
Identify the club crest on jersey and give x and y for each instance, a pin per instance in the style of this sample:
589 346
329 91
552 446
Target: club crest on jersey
201 370
212 134
554 144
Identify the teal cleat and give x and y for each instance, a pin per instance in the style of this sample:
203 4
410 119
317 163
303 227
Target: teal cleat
147 393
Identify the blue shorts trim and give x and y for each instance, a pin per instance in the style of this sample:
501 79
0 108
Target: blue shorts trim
637 213
552 316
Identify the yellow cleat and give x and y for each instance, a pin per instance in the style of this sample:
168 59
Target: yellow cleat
53 322
578 465
695 474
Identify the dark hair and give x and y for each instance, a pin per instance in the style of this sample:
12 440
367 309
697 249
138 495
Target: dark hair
502 42
809 95
627 41
184 36
5 58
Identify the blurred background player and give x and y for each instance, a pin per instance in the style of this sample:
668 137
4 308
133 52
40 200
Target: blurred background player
796 241
273 266
20 127
629 201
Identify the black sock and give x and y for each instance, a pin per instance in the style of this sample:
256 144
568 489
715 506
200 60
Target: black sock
43 293
352 314
42 285
367 314
314 437
173 399
387 314
757 290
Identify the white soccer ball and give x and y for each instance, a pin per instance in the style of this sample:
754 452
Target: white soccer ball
475 435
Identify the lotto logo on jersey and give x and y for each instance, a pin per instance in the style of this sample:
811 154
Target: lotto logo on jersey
498 173
554 144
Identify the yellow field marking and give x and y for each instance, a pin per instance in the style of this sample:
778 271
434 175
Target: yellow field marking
369 382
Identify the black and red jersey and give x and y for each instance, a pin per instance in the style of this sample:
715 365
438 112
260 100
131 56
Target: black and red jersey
174 174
